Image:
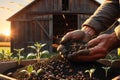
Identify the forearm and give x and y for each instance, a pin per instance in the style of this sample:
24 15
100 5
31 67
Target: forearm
104 16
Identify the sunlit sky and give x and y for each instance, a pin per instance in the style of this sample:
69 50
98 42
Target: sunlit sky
9 8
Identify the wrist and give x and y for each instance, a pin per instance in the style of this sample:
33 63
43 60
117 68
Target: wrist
88 30
113 35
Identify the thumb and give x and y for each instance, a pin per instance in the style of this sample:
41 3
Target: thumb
65 38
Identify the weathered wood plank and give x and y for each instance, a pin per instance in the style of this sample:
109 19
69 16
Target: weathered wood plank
4 77
57 12
43 29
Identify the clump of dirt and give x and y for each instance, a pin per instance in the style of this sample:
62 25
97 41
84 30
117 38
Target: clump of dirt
75 48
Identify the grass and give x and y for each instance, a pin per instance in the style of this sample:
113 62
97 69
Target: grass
4 46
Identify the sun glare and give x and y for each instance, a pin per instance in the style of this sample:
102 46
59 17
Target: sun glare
7 33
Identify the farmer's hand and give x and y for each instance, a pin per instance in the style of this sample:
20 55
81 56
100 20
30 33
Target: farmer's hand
99 47
83 35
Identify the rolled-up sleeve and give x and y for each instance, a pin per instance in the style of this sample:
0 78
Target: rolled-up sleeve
104 16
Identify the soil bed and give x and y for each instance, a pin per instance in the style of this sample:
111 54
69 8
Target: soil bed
57 68
60 68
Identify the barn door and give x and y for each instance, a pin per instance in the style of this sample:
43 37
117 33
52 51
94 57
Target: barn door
44 30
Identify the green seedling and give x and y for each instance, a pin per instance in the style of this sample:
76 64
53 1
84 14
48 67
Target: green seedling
6 55
2 55
112 59
31 56
106 70
29 72
19 57
91 71
37 47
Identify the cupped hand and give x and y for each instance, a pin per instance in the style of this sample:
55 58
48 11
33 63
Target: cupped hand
97 48
76 35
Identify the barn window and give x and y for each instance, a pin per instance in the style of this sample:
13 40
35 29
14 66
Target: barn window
65 4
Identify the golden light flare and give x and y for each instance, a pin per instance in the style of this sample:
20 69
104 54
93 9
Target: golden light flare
6 32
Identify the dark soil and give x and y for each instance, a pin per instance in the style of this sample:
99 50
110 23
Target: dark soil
57 68
60 68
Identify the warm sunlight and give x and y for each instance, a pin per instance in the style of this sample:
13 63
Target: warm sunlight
7 33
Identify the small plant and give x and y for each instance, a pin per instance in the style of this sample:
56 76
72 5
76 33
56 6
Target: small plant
6 55
106 68
2 55
37 47
111 58
91 71
19 57
29 72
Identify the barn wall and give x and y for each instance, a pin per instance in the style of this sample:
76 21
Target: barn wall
82 6
19 35
44 25
47 6
26 29
26 33
55 6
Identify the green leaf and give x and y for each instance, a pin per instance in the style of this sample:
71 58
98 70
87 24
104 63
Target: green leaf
15 58
39 71
24 74
19 50
1 56
30 68
31 56
33 47
34 73
24 71
42 45
22 57
87 71
106 68
8 53
45 52
92 70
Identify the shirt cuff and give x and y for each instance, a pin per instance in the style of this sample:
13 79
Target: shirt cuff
117 31
94 25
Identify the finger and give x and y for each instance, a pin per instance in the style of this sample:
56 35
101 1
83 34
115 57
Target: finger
87 58
96 56
97 49
82 52
61 49
93 42
65 38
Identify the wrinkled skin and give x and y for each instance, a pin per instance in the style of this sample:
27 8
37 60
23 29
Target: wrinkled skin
76 35
98 48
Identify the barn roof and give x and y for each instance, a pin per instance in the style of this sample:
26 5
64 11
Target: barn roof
32 3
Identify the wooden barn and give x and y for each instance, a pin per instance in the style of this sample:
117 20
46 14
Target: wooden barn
46 21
